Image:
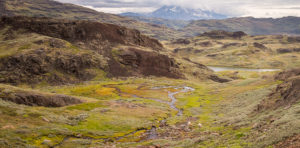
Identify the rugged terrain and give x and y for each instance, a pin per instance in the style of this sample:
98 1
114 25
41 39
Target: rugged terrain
237 49
80 83
250 25
59 51
54 9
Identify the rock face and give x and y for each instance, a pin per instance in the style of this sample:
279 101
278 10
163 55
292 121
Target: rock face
149 63
287 74
219 34
181 41
95 42
286 94
38 65
288 50
82 31
36 99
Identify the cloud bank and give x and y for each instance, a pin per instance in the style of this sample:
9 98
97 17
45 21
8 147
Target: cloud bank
234 8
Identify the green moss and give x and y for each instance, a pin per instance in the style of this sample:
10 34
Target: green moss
86 106
26 46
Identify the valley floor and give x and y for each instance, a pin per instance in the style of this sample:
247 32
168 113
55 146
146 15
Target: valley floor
138 112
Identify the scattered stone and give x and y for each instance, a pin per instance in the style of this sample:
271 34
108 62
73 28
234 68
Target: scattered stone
259 45
200 125
215 134
218 79
181 41
45 119
284 50
47 142
55 43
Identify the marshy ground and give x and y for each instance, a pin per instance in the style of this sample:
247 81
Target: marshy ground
135 112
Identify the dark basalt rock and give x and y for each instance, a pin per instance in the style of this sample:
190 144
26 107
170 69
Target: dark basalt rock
259 45
181 41
219 34
38 65
81 31
149 63
218 79
284 50
31 98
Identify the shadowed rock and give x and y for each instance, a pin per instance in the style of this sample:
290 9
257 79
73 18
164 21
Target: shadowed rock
32 98
286 94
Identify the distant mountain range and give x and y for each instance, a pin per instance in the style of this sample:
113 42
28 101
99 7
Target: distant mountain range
178 13
253 26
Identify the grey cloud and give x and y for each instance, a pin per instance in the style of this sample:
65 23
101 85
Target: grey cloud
228 7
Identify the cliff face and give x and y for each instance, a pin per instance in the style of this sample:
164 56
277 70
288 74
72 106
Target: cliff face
73 51
82 31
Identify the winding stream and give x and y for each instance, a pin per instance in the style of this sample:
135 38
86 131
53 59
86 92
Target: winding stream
171 95
218 69
151 133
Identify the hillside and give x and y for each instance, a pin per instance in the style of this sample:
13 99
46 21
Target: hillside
250 25
81 82
175 24
237 49
50 8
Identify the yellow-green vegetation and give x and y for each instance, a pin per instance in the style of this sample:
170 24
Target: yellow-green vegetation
214 115
249 51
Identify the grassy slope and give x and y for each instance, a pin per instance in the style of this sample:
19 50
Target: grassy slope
49 8
243 54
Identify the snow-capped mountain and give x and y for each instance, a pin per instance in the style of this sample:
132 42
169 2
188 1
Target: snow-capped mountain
179 13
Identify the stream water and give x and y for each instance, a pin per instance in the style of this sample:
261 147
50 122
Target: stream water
151 133
171 95
218 69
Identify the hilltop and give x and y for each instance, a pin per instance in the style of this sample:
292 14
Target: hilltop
50 8
238 49
250 25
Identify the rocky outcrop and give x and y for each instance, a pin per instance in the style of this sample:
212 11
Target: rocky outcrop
149 63
293 39
91 33
259 45
219 34
218 79
182 41
286 93
288 50
282 76
49 65
32 98
95 42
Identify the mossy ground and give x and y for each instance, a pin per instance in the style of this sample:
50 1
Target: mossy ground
219 115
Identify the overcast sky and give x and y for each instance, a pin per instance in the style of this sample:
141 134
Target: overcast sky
256 8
